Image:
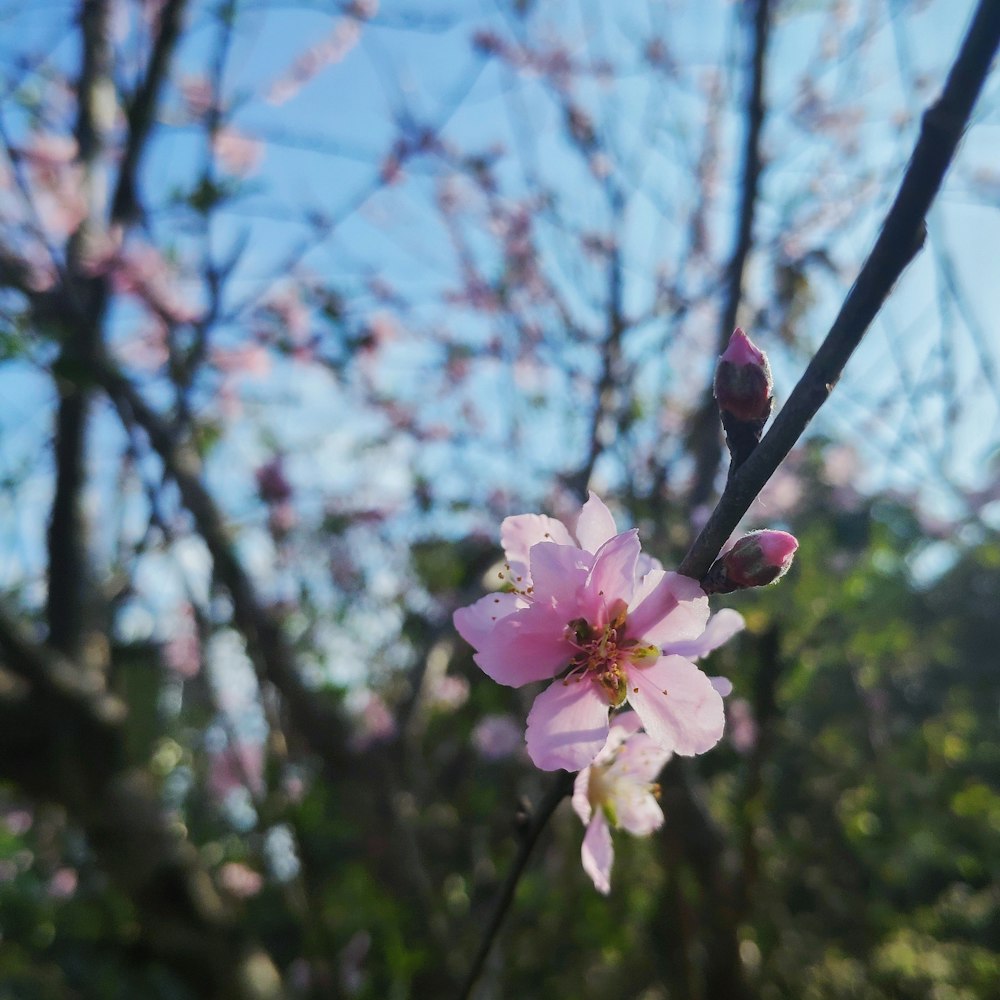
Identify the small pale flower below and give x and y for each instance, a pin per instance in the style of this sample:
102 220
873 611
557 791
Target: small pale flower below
618 791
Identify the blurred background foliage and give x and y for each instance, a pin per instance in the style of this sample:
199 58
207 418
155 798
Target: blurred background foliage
855 794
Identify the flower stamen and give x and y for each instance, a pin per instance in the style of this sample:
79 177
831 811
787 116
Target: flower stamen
604 653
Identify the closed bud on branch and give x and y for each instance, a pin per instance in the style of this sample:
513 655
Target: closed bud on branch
743 389
757 559
743 380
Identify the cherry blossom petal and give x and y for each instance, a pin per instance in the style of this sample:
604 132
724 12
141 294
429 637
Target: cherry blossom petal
595 525
567 725
581 797
598 854
623 725
647 564
669 608
722 626
723 685
530 645
678 706
558 572
475 623
612 577
641 759
639 813
648 581
520 532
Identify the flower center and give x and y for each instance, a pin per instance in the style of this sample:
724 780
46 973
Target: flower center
604 652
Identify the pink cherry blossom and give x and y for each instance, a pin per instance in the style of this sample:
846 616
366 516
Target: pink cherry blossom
238 153
722 626
742 726
249 360
240 880
447 693
182 650
618 790
239 765
141 271
57 182
609 626
375 723
329 50
496 737
63 883
198 94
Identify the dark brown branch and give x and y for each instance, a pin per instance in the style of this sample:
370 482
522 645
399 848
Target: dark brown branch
142 109
318 722
95 112
607 397
769 666
543 813
692 836
67 576
61 740
66 535
705 437
695 836
898 243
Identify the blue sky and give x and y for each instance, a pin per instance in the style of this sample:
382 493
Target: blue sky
414 62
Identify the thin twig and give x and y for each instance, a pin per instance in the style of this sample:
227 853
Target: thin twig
543 813
142 109
706 441
898 243
607 399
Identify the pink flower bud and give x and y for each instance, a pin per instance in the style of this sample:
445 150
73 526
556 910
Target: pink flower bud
743 380
760 557
757 559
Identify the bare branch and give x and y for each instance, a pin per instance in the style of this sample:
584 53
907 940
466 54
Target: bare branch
66 603
142 110
562 786
607 401
705 436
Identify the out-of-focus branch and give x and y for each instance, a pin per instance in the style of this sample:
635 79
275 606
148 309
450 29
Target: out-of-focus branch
696 837
768 668
561 787
318 722
704 436
898 243
608 395
141 112
67 590
61 739
692 835
185 363
96 101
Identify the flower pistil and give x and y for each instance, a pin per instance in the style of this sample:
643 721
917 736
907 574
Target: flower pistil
604 651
